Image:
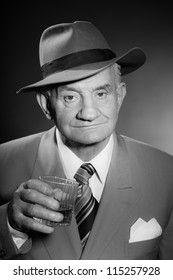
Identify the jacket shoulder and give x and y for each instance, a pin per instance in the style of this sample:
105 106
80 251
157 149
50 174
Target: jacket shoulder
20 143
142 146
149 157
17 159
20 151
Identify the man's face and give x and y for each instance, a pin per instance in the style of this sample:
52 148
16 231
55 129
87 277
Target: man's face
86 111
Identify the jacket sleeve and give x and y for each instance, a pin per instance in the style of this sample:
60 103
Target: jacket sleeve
8 249
16 164
7 246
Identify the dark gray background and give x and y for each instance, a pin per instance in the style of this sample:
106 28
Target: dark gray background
147 112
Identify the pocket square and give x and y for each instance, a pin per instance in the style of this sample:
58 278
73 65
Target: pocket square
142 230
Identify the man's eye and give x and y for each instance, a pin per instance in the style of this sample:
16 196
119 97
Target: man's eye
70 98
101 94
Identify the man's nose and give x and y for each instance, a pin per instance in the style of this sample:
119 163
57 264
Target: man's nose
88 110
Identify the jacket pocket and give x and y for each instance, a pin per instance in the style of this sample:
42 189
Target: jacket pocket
143 250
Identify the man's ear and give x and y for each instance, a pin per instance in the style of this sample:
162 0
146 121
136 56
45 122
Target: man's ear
121 93
44 104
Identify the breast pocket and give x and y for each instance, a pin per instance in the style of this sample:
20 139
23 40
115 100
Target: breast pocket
143 250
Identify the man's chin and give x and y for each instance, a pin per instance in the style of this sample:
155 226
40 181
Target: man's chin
88 140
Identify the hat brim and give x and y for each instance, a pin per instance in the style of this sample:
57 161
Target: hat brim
129 62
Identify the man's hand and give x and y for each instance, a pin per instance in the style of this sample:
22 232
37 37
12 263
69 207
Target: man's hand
33 198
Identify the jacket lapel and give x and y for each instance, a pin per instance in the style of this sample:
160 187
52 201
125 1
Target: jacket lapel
64 243
115 205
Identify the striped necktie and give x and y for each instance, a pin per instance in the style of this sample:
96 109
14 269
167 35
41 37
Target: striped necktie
86 205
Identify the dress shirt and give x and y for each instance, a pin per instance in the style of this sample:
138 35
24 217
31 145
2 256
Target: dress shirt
101 163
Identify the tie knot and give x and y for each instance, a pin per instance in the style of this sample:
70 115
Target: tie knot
84 173
89 168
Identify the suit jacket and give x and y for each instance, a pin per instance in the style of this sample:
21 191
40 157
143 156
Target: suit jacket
139 184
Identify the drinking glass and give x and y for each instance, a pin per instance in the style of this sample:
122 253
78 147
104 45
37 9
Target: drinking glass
65 191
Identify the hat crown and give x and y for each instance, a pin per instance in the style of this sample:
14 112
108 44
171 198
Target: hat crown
72 51
63 39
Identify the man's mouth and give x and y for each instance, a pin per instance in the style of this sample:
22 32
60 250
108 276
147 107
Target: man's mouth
89 125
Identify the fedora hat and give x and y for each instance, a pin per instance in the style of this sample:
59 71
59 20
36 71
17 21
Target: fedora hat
72 51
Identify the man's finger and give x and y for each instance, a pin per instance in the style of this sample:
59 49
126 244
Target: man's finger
39 186
31 224
35 197
43 213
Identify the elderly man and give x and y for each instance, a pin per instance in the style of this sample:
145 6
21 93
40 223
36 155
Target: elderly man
129 209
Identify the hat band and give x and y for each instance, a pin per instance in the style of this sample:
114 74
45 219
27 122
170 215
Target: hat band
76 59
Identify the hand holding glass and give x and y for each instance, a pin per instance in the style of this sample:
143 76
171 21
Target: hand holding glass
65 191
